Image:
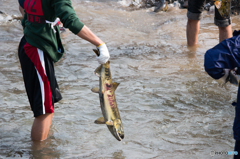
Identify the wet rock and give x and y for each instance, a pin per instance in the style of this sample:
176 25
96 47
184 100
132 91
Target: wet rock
160 6
6 18
183 3
235 7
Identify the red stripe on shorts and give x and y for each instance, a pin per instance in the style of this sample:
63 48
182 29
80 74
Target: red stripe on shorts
32 53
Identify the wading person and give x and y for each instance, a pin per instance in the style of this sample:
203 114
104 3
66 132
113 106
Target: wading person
218 62
40 47
194 14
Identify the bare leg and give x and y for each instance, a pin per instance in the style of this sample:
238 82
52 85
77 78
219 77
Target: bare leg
225 33
192 31
41 126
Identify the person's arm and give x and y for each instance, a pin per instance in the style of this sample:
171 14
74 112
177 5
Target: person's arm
86 34
66 13
223 57
21 11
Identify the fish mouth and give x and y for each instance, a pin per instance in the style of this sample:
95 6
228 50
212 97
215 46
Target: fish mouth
118 136
121 136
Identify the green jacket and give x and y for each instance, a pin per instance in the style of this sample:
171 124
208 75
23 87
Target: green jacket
41 35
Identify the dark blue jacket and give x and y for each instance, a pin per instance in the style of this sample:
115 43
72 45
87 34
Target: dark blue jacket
226 55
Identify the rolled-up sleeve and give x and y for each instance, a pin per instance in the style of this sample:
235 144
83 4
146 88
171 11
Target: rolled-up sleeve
67 15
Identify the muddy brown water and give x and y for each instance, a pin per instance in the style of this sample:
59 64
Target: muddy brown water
170 108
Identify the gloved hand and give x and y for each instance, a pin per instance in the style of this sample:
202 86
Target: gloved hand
104 54
230 76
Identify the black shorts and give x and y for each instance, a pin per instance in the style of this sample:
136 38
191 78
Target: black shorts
39 78
195 9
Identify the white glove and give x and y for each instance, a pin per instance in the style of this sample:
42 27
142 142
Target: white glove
104 54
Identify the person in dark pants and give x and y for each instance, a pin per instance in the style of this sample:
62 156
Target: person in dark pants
218 62
194 14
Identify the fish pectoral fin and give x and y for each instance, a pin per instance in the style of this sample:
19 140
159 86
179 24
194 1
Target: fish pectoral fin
98 70
109 123
95 90
100 120
115 85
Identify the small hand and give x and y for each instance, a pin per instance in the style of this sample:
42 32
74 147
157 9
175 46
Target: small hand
231 76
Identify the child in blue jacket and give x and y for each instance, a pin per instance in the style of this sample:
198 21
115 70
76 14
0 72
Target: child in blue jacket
218 63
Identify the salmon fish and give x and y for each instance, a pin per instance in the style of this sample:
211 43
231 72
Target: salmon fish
111 116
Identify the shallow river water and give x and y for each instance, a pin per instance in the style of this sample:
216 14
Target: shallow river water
170 108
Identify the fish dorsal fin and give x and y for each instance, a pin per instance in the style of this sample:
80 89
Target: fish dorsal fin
100 120
115 85
95 90
98 70
96 52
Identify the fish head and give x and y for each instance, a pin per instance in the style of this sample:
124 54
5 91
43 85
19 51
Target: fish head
118 129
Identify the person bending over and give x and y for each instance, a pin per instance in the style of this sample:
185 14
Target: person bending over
218 62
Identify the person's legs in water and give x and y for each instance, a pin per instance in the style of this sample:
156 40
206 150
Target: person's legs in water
41 126
192 31
224 26
194 14
225 32
41 87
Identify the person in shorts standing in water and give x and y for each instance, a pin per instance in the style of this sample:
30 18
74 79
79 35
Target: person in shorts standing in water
40 47
194 14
